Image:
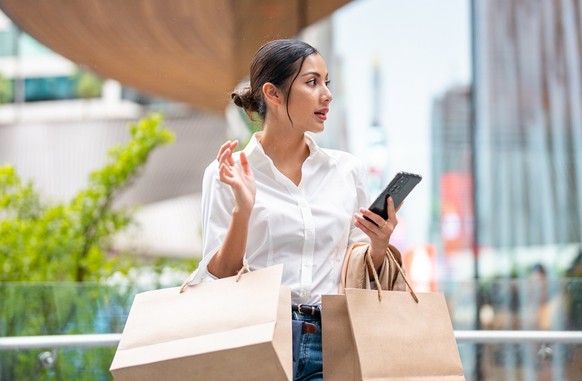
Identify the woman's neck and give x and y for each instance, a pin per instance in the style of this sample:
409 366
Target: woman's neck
284 146
287 150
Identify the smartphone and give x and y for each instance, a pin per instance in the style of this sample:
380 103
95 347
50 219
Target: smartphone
400 186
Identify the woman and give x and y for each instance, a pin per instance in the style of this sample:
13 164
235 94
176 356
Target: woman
285 200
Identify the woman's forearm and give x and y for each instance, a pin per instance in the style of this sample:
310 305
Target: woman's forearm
378 254
229 258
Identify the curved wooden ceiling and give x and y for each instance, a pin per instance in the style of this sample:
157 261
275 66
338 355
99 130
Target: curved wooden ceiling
193 51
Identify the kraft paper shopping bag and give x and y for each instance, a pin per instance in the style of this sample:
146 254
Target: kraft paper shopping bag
388 335
340 361
399 339
218 330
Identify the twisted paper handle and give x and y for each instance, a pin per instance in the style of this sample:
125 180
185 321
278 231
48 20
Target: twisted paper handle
389 253
187 281
243 269
375 274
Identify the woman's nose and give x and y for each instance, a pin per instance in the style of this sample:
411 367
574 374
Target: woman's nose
327 96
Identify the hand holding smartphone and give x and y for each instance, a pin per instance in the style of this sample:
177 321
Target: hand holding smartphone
400 186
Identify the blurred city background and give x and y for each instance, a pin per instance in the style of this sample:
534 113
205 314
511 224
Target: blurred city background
483 98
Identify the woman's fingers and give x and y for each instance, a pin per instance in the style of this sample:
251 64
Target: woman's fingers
225 174
229 172
392 211
369 226
226 146
372 217
374 225
226 157
223 148
244 163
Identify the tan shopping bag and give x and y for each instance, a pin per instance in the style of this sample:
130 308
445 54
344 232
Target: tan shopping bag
388 335
219 330
339 351
340 359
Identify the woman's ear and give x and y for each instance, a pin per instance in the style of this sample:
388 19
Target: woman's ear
272 94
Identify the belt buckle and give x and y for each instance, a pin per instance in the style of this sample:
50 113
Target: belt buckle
300 309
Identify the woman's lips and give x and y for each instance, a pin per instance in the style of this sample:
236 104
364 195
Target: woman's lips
322 114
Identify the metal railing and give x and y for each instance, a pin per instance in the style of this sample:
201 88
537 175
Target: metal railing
464 336
59 341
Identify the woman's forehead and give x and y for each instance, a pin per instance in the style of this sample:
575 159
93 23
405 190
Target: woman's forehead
314 63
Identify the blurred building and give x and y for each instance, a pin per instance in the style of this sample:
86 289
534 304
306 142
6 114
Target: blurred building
528 126
452 214
528 143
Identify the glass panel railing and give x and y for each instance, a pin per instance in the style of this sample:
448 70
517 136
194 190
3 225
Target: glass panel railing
518 305
33 309
62 308
28 309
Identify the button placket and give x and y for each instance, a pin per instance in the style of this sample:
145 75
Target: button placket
308 248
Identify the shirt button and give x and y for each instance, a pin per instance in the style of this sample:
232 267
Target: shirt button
309 234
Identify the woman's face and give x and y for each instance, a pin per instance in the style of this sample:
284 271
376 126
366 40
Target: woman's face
309 96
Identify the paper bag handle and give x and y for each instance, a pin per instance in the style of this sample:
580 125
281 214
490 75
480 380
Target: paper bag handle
243 269
377 280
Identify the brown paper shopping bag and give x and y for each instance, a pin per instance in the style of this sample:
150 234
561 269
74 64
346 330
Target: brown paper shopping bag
399 339
340 361
218 330
388 335
339 351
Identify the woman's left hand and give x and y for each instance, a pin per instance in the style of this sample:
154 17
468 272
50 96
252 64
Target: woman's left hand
379 231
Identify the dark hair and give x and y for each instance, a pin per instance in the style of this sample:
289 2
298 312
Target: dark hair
276 62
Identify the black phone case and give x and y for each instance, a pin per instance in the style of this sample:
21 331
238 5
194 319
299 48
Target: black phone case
400 186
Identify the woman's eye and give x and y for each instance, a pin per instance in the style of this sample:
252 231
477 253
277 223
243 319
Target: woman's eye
311 82
327 83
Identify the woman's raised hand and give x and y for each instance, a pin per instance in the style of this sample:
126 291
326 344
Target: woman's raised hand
239 177
379 231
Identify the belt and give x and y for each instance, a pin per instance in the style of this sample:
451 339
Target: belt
307 309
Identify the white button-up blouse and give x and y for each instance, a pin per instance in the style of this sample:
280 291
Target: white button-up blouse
307 228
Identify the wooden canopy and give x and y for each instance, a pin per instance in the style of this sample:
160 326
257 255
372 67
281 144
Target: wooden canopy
193 51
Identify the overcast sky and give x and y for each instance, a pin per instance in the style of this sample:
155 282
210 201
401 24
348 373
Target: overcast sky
424 49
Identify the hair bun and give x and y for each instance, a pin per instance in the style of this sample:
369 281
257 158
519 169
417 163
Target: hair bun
237 99
245 99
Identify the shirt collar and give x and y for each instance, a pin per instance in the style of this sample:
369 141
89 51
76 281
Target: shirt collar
316 151
254 145
254 148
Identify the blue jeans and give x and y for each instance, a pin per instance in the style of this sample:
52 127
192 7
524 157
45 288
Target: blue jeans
310 361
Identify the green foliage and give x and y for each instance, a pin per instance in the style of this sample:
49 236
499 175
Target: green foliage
69 241
6 92
88 84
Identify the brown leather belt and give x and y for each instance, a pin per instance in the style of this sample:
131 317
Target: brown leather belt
307 309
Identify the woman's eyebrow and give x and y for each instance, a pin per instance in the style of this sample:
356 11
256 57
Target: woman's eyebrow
313 73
